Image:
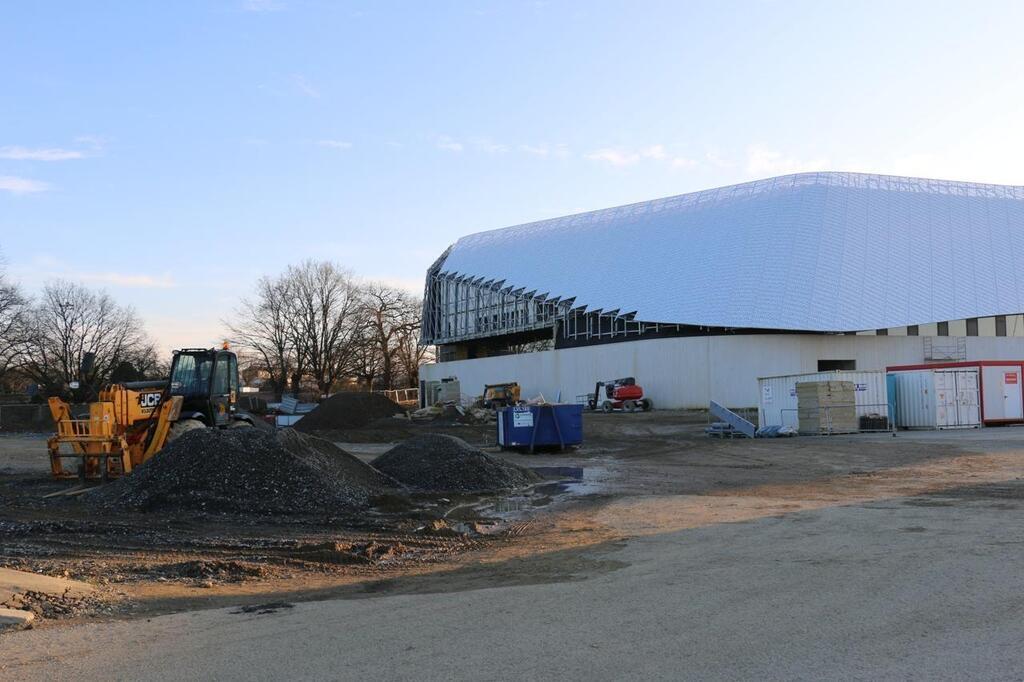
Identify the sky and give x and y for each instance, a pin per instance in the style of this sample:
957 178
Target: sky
173 153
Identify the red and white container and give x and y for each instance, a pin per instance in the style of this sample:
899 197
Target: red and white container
1000 384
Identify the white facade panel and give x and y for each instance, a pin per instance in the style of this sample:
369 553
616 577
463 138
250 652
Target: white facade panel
688 372
809 260
778 403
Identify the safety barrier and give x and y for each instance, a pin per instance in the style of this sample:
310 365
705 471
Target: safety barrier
877 417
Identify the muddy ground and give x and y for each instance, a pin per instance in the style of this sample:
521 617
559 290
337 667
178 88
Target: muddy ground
637 474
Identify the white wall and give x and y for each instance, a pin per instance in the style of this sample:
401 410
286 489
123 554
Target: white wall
688 372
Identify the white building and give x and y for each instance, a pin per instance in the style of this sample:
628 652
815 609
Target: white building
700 294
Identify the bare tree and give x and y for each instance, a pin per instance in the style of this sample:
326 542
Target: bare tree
409 354
324 320
13 318
393 315
264 327
78 334
315 325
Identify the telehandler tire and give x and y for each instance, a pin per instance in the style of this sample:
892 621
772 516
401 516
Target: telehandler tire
183 426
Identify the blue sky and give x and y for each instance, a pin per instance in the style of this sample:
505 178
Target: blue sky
174 152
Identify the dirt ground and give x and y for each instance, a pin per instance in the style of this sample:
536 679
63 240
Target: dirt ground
636 475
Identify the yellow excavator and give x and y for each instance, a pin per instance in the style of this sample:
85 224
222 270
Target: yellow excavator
132 421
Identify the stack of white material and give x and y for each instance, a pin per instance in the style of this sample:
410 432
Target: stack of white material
826 407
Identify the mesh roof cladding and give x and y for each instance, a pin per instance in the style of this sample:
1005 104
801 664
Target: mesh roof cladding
811 251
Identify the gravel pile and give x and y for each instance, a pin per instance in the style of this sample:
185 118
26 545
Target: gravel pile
438 463
247 471
348 411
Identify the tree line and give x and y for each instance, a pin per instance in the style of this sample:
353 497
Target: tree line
317 323
69 333
314 326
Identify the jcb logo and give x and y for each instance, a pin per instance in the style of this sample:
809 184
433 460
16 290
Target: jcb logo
149 399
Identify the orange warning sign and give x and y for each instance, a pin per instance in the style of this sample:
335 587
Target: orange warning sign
1010 378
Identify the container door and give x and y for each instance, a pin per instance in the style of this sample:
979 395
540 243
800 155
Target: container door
1002 394
967 398
1012 404
946 413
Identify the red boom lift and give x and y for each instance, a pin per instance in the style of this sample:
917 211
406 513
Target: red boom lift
619 394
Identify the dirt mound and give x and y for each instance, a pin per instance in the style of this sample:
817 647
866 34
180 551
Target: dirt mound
248 471
437 463
348 411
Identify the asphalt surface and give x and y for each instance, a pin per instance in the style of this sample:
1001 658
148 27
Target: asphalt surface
910 588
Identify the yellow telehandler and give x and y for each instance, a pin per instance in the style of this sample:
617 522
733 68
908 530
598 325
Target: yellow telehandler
132 421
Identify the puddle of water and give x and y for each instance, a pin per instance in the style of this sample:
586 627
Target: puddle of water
573 473
573 481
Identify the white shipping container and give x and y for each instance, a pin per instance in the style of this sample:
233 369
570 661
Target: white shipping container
938 398
777 403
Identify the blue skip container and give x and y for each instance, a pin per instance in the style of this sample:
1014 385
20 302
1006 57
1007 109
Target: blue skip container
534 426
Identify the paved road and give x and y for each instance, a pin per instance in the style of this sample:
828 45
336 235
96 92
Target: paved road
929 588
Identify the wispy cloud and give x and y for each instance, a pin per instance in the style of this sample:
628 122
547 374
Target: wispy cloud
44 266
129 280
488 146
717 160
682 163
95 143
262 5
303 85
620 156
535 150
335 144
615 157
39 154
764 162
16 185
449 145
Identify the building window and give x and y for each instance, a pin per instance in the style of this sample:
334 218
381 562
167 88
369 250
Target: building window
912 330
972 326
832 365
882 332
1000 325
943 329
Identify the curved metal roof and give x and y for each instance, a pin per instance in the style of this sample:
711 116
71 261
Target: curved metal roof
811 251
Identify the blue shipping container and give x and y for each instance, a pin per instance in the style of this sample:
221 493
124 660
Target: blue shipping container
540 425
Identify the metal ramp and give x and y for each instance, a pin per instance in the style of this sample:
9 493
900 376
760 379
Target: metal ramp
732 419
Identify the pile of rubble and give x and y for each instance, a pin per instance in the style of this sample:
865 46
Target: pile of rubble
438 463
248 471
348 411
453 414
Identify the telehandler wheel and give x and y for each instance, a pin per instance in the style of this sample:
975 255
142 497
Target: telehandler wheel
629 406
183 426
646 405
606 406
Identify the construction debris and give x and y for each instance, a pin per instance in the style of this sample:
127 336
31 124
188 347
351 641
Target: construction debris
15 619
26 596
348 411
453 414
438 463
247 471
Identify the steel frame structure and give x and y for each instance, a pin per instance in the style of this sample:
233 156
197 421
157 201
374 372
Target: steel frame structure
460 308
